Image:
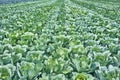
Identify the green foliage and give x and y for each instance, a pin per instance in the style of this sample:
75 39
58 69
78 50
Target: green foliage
5 73
60 40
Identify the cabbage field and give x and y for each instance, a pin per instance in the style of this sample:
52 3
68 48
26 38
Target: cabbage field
60 40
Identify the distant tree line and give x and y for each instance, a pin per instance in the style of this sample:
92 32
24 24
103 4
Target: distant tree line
106 0
13 1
